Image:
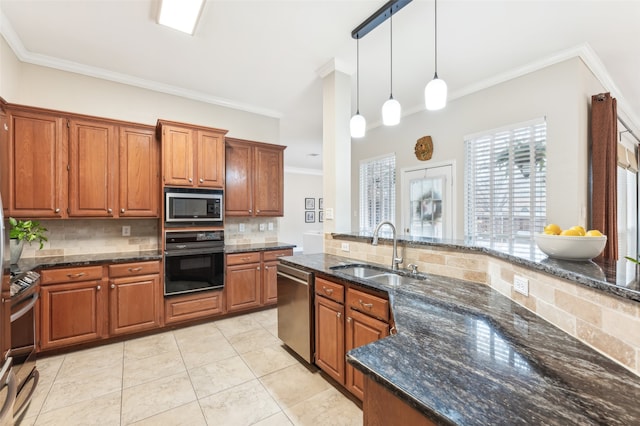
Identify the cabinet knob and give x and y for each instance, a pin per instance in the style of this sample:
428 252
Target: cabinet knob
121 210
258 268
113 286
258 210
348 319
339 315
57 210
249 210
190 180
266 267
201 180
98 288
109 211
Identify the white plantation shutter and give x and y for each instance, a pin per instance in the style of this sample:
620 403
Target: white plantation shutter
505 184
377 191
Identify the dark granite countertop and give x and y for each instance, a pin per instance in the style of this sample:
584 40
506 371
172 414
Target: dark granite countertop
621 277
241 248
31 263
465 354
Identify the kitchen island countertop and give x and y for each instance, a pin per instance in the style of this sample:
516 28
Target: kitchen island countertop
465 354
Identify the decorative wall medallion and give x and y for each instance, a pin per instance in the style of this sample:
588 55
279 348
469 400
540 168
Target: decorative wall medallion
424 148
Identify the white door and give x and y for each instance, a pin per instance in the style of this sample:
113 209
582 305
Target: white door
427 201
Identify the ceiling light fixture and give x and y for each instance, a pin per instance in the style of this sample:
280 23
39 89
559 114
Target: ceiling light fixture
435 93
391 109
358 124
181 15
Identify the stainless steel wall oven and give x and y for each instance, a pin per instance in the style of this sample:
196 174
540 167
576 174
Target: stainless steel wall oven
193 261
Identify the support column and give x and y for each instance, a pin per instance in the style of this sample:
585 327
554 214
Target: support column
336 146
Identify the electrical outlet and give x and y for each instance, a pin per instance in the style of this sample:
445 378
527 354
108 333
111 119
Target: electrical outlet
521 284
262 227
345 247
126 231
328 214
241 227
270 226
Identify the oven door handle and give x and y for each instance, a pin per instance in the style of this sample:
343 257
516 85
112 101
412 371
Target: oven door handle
25 309
183 252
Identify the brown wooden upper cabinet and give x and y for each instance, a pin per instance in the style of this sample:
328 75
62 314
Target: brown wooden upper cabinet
192 156
68 165
255 178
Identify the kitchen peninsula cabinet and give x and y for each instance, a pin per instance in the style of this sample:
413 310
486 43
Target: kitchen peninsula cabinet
38 161
329 318
254 178
192 156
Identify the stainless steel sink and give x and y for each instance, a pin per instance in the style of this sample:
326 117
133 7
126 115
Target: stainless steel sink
376 274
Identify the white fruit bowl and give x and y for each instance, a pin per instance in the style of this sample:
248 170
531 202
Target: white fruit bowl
569 247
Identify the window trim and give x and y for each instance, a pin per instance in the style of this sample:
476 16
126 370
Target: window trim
364 227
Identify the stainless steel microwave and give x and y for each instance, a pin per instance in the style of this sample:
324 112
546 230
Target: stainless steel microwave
186 206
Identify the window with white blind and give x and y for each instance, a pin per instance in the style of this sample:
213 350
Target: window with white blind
377 191
505 185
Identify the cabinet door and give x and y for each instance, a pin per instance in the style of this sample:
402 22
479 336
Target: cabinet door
268 182
93 154
270 283
71 313
5 164
243 287
330 354
177 156
139 182
134 304
239 179
210 157
38 155
361 329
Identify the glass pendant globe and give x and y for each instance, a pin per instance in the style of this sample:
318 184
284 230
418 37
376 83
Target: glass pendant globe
358 126
391 112
435 94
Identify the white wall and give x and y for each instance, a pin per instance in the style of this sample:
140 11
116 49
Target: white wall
9 71
297 187
558 92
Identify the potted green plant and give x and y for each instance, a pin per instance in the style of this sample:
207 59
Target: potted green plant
24 230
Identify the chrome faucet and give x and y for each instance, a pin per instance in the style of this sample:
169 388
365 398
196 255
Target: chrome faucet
395 260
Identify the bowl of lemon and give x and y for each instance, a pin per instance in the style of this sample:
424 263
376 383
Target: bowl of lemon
574 243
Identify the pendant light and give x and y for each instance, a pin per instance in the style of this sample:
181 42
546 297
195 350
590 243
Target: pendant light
358 124
435 93
391 109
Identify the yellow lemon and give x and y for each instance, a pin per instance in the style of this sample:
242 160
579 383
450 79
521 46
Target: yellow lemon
571 232
580 229
549 233
553 229
594 233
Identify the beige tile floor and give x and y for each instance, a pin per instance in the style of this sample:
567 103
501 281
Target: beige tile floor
232 371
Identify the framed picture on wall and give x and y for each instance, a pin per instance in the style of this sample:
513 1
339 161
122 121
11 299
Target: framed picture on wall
310 217
320 204
321 215
309 203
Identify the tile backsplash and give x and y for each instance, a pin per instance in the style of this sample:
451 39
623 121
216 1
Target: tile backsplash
84 236
251 234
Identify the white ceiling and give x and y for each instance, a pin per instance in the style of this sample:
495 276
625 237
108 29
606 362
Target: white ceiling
264 56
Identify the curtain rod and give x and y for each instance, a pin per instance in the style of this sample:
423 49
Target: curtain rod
628 130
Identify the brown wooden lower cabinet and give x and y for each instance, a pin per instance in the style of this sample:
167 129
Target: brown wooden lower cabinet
380 407
330 353
133 304
193 306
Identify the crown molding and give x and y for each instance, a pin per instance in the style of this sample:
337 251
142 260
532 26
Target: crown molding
26 56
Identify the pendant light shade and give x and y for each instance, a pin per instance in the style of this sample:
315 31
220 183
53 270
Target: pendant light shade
391 110
435 93
358 124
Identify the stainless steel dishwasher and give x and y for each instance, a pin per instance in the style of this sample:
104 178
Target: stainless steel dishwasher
295 310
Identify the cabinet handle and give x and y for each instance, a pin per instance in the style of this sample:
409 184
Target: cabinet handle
329 291
109 211
339 314
113 286
190 180
78 275
138 269
246 259
201 180
57 210
98 288
121 210
365 305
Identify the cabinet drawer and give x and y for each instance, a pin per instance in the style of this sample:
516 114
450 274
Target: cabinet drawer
131 269
275 254
242 258
65 275
331 290
368 304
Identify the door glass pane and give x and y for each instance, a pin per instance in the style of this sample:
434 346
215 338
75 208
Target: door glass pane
426 207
